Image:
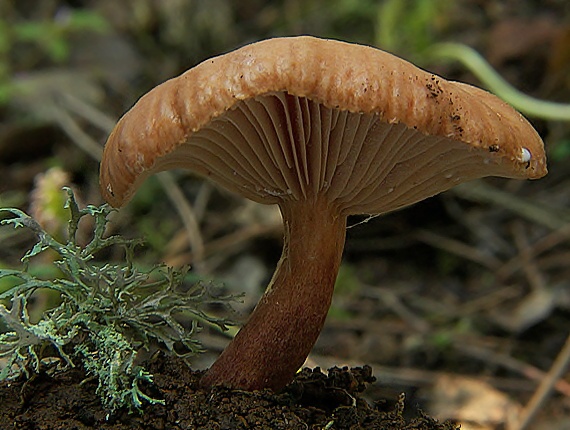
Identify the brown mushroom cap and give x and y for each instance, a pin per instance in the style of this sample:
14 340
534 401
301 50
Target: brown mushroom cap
295 118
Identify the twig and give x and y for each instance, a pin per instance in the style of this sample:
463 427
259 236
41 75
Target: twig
479 191
489 300
544 244
88 112
202 198
458 248
555 261
76 134
392 301
533 275
233 240
508 362
186 212
484 231
545 388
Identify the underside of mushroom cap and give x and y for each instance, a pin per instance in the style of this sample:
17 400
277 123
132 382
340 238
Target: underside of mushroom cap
297 118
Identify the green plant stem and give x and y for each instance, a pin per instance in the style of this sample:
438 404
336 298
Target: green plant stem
526 104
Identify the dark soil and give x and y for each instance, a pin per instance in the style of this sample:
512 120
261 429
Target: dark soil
314 400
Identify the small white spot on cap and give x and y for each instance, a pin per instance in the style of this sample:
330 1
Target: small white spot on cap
525 155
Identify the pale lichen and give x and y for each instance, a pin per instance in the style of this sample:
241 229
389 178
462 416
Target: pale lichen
108 314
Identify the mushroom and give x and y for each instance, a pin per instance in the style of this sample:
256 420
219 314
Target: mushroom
324 129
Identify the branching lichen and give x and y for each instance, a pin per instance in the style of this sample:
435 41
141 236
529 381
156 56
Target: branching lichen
109 314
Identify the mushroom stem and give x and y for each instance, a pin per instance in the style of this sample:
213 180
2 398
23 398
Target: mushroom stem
286 322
